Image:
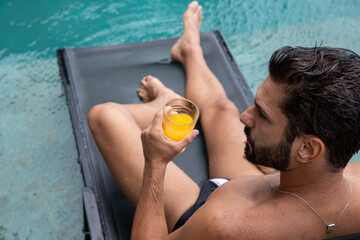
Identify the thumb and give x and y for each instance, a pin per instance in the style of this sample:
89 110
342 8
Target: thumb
189 138
157 121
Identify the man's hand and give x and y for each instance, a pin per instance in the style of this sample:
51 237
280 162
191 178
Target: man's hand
149 220
158 149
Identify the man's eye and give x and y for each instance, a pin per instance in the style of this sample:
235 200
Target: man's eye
260 112
262 115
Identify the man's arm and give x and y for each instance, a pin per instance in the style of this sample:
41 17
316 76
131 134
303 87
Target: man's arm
149 220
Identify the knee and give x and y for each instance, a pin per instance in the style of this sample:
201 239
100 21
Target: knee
100 114
224 106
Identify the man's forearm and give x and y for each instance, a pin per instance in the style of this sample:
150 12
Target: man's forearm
149 220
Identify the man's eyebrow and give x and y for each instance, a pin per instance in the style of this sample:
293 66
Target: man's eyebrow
261 110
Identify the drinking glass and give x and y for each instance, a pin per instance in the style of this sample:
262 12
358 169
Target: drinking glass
179 118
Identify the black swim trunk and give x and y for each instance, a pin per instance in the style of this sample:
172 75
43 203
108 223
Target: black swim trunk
207 188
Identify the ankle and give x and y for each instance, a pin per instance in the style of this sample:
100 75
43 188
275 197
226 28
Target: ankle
191 51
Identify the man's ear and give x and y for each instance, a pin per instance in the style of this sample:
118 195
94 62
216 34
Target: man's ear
311 149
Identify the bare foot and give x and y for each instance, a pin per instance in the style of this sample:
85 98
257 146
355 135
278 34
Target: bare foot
152 89
192 20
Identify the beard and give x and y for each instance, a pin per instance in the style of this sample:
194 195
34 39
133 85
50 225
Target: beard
277 156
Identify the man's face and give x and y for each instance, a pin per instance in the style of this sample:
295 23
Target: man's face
277 156
265 128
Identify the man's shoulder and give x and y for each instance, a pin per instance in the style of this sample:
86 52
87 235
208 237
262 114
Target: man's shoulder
222 219
237 208
352 170
247 209
235 218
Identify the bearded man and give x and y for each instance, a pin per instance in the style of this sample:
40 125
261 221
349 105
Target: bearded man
305 123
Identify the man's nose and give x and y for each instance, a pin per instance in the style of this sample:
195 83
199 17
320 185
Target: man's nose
248 117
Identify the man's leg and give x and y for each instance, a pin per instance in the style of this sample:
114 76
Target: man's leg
117 129
220 119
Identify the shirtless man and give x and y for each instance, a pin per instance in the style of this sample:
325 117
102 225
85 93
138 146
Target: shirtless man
312 189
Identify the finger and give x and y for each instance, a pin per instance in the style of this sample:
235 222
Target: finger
188 139
158 118
149 129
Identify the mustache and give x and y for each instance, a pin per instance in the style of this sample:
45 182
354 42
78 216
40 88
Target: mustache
250 146
247 132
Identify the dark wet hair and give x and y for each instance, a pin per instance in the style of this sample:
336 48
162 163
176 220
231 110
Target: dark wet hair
322 97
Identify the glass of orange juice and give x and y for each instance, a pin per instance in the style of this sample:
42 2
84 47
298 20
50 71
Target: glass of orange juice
179 118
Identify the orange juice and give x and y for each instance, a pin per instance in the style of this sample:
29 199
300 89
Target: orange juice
179 126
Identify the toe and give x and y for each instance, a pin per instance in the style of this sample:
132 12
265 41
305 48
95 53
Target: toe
150 78
193 5
199 12
143 82
139 91
141 94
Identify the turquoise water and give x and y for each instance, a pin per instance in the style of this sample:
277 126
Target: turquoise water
40 178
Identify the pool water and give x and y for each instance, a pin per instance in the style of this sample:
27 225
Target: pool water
40 178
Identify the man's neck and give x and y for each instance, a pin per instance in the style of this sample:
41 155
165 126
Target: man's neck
307 180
